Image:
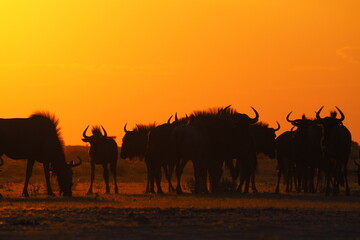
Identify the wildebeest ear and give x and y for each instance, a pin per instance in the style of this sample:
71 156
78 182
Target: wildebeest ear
85 140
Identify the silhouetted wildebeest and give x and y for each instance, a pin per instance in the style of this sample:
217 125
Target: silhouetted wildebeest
264 142
224 134
37 138
285 162
134 144
306 151
336 147
358 169
104 151
159 155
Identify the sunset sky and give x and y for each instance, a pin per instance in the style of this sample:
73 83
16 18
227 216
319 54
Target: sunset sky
111 62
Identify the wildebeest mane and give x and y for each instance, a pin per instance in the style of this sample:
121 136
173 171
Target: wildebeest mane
144 128
333 114
96 130
53 122
261 125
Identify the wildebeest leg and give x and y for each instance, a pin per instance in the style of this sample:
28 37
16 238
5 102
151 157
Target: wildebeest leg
168 169
278 181
253 187
92 163
148 178
47 179
29 167
242 179
106 177
346 182
113 171
158 179
179 170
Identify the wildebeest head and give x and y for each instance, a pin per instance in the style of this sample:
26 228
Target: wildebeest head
332 120
264 138
302 123
97 135
65 178
134 142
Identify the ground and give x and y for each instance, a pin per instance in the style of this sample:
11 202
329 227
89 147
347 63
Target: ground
135 215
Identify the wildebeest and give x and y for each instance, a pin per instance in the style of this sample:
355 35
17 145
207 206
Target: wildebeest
134 144
336 146
212 137
37 138
159 155
104 151
264 142
306 151
285 163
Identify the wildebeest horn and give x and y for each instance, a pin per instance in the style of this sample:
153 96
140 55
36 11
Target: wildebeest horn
176 118
1 161
125 128
288 119
292 129
73 164
342 114
84 133
256 118
318 114
105 133
278 127
168 121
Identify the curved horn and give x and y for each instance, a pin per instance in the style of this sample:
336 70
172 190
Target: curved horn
288 119
176 118
256 118
125 128
72 164
342 114
168 121
105 133
292 129
318 114
278 127
84 133
1 161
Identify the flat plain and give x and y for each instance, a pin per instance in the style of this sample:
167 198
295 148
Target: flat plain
132 214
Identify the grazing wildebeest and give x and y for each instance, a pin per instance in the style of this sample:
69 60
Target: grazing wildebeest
358 169
306 151
264 142
134 144
336 146
37 138
286 164
104 151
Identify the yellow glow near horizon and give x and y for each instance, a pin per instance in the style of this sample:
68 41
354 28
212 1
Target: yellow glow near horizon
112 62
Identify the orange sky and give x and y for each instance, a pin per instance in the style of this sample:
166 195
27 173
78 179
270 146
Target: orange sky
110 62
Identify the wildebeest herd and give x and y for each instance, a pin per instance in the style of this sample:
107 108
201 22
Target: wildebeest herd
313 151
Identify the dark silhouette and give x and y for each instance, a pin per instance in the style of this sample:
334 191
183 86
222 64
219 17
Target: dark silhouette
285 162
134 144
104 151
264 142
159 154
208 138
336 145
306 151
37 138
